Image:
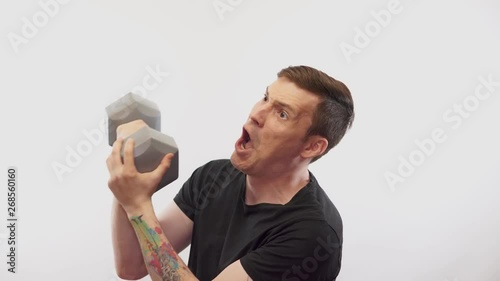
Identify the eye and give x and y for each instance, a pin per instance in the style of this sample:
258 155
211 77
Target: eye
283 115
266 97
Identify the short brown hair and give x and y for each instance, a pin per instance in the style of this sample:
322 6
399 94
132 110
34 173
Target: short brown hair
335 113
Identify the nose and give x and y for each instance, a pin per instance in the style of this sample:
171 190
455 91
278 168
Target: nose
259 113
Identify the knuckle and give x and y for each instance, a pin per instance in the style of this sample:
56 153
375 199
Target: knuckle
129 147
115 144
128 175
112 181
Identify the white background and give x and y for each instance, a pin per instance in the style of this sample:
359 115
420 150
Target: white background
441 223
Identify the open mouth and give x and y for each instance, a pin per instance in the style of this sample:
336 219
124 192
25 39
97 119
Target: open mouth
245 139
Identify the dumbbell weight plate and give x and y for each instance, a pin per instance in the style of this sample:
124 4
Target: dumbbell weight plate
128 108
150 148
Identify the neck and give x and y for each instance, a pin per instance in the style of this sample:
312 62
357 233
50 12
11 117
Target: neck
278 189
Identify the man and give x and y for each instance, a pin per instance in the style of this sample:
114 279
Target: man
259 216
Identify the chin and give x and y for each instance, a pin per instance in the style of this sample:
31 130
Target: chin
238 164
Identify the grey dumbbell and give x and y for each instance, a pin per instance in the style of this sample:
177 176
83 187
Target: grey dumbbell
128 108
150 144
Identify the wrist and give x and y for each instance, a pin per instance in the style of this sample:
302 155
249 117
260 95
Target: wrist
138 210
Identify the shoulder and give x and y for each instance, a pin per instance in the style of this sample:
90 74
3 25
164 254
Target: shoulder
215 163
324 207
205 184
309 232
213 167
213 175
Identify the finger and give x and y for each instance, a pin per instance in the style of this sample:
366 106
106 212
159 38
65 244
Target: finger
109 164
115 159
128 155
163 166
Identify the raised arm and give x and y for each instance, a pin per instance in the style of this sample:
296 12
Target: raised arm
133 190
161 259
129 262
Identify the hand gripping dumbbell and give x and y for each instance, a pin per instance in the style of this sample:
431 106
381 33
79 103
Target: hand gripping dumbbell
150 144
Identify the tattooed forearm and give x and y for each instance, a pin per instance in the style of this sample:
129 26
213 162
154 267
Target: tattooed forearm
158 253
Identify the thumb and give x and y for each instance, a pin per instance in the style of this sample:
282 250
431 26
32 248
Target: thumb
163 166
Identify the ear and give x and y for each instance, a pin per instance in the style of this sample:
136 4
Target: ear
314 146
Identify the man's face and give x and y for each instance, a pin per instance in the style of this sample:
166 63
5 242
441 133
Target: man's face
272 139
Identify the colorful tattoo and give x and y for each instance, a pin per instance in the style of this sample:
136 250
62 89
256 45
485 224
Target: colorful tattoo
158 254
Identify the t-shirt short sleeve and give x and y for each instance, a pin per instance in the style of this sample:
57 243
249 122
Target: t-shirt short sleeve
193 195
187 195
309 250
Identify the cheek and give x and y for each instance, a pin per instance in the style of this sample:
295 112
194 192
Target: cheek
273 134
276 139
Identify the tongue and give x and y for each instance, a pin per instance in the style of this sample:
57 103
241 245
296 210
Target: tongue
249 144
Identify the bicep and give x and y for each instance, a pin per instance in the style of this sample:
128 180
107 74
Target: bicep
177 227
313 251
234 272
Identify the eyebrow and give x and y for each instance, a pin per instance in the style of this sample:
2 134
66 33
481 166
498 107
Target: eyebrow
282 104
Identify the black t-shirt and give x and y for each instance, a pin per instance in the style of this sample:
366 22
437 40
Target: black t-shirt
301 240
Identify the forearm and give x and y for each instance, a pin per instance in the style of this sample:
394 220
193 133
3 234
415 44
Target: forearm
161 260
129 262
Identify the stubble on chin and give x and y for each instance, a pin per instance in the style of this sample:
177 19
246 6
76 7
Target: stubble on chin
237 163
